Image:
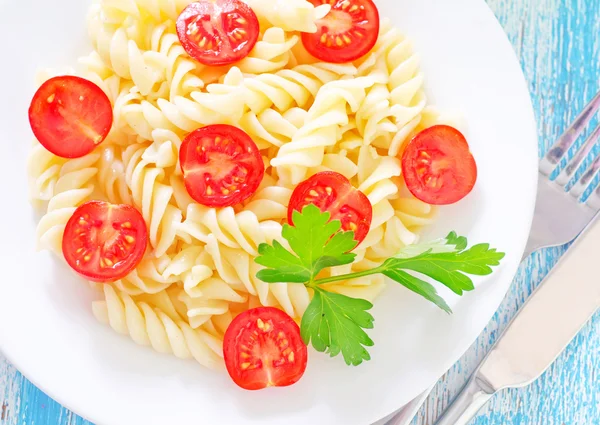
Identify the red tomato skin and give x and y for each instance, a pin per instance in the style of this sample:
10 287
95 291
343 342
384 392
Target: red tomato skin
236 337
360 47
47 123
449 144
358 200
133 262
206 8
188 152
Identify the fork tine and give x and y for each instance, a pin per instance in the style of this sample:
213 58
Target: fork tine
570 170
594 200
564 142
587 177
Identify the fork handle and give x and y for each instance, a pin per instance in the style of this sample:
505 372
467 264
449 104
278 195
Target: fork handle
471 399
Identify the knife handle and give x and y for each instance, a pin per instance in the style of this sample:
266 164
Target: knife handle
470 400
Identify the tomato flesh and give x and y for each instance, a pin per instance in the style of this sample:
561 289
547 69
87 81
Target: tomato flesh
263 348
70 116
332 192
438 167
221 165
348 32
104 242
218 32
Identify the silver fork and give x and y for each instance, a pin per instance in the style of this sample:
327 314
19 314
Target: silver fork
559 218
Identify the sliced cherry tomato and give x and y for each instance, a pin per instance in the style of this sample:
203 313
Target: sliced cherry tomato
218 32
348 32
104 242
263 348
330 191
438 167
70 116
221 165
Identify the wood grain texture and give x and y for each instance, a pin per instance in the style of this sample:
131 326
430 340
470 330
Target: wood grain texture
558 43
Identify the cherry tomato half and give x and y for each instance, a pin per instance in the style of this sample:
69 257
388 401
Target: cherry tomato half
218 32
263 348
348 32
221 165
330 191
104 242
70 116
438 167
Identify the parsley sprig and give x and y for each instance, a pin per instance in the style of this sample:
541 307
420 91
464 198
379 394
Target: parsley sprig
335 323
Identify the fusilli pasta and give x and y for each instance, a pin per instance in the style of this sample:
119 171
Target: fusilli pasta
150 326
305 117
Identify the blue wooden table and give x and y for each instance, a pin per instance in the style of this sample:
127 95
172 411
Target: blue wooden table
558 43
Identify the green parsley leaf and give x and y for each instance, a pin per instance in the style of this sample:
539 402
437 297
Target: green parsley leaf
335 323
425 289
451 243
284 266
317 242
459 242
450 268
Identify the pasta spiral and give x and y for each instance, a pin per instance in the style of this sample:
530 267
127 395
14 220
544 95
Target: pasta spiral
290 15
117 11
237 267
43 169
234 230
152 194
148 278
405 84
123 50
272 128
152 327
325 118
140 116
73 186
270 54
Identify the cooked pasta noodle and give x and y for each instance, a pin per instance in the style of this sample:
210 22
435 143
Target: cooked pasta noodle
290 15
150 326
305 117
73 186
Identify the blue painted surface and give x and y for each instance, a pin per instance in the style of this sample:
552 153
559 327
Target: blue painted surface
558 43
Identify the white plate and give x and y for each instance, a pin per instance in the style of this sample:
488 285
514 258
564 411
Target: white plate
47 329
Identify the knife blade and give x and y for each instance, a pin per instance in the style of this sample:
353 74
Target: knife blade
554 314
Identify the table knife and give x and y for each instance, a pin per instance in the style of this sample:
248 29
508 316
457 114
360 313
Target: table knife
554 314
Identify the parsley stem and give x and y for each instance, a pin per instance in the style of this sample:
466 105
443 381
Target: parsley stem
348 276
